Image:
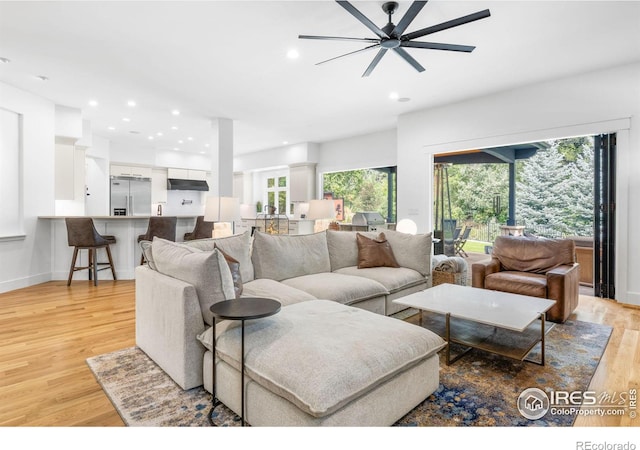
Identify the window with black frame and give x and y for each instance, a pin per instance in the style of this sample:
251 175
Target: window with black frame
361 190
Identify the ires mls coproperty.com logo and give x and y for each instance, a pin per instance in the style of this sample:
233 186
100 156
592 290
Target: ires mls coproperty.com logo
534 403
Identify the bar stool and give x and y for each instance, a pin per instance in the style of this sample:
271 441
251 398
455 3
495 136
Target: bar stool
82 234
161 226
201 230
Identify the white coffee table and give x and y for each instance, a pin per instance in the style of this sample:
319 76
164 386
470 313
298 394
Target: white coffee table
499 322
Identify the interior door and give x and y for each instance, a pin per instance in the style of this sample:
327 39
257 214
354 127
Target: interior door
604 236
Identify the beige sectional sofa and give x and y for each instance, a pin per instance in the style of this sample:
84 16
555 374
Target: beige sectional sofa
328 303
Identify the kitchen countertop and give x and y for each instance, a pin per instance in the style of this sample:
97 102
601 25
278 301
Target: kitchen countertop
115 217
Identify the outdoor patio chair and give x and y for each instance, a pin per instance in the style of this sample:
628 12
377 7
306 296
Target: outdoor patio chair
459 243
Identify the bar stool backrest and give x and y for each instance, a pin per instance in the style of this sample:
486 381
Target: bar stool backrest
81 232
162 227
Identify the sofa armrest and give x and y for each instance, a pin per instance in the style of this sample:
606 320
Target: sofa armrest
168 319
563 287
479 271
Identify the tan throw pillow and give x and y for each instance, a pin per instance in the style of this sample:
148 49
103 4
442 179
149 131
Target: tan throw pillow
375 252
234 266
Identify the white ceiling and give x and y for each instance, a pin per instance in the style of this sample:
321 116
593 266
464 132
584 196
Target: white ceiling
228 59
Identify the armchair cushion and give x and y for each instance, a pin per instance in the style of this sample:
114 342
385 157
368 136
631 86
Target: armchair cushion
518 254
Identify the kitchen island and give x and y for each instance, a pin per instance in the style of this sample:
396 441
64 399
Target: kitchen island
126 251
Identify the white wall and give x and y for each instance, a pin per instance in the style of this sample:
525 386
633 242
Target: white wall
359 152
27 262
603 101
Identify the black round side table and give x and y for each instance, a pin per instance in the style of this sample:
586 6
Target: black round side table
245 308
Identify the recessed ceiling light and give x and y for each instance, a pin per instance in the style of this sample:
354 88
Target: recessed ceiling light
394 96
174 127
189 138
42 78
111 128
206 145
176 149
293 54
180 141
126 119
203 152
285 142
159 133
175 112
151 138
93 103
5 60
131 103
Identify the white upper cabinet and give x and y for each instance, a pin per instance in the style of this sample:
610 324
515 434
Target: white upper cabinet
130 171
186 174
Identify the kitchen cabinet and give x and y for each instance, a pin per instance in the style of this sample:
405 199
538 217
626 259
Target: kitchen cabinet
187 174
117 170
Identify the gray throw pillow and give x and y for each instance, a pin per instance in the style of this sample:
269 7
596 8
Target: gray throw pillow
207 271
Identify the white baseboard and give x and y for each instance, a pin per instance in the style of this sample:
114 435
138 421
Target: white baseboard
12 285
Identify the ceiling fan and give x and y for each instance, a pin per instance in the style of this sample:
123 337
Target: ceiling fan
391 37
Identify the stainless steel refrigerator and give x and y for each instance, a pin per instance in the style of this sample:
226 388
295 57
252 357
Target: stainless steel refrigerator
130 196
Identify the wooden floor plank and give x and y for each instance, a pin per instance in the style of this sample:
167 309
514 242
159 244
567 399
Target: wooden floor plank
48 331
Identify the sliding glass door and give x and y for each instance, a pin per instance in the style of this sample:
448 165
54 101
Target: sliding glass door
605 215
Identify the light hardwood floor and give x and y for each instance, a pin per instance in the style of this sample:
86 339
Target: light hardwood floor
49 330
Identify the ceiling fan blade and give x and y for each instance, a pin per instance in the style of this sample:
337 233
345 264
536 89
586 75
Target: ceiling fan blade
375 62
363 19
408 58
446 25
408 17
350 53
437 46
338 38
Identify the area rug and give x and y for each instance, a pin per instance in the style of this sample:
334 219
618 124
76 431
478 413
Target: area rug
480 389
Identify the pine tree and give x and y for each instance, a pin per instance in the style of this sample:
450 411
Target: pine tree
579 214
541 197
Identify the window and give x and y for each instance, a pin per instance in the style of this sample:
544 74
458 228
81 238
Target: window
364 190
10 175
277 193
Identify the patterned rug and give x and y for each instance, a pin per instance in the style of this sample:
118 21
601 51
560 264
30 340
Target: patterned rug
478 390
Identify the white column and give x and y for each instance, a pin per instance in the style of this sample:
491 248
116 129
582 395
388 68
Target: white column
221 158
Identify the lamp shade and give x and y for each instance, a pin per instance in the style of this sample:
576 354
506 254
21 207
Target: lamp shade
222 209
321 209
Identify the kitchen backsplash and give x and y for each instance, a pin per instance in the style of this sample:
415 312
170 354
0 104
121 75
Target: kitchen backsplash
183 203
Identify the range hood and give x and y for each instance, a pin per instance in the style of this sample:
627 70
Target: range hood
177 184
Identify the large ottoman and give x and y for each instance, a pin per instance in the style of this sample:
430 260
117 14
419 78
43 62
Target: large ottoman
320 363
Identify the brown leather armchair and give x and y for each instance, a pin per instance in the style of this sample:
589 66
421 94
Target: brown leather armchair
543 268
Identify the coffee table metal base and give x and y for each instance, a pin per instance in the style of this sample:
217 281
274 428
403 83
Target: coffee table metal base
492 339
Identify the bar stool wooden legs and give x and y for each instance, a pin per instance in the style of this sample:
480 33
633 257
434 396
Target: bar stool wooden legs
82 235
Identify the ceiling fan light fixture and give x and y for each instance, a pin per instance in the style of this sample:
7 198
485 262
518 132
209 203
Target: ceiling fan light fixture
393 37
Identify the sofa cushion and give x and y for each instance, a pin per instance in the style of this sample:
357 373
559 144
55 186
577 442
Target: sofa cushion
279 257
412 251
374 252
237 246
207 271
341 288
523 283
334 353
538 255
264 287
393 279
